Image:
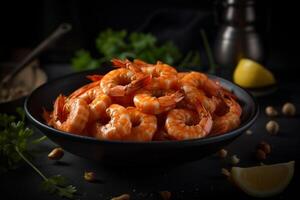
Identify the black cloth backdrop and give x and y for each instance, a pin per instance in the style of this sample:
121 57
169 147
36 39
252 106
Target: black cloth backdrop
24 24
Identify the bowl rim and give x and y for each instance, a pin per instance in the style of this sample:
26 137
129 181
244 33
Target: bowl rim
82 138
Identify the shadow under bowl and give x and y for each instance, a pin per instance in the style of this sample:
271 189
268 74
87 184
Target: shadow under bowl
126 152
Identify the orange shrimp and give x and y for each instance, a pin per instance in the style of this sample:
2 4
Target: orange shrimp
96 80
92 94
143 125
119 126
201 81
72 118
186 124
197 86
122 82
228 121
163 76
148 102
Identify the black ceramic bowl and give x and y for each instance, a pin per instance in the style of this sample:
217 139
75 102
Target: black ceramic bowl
131 153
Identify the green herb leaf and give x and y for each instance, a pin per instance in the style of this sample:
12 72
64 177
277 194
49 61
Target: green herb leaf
58 185
84 61
120 44
13 134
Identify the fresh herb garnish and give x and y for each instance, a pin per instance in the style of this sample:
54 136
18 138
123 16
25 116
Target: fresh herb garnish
15 146
119 44
55 184
13 133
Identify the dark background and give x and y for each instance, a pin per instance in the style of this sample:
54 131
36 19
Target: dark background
24 24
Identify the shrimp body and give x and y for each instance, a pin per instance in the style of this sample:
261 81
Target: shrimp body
72 119
122 82
198 87
97 101
228 121
182 124
163 76
148 102
143 125
119 126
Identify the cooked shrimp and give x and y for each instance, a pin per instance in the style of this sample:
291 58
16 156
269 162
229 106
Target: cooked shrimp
92 94
186 124
193 95
201 81
198 87
72 118
148 102
163 76
143 125
228 121
122 82
119 126
96 80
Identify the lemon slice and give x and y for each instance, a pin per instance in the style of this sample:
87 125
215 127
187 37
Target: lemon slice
250 74
263 181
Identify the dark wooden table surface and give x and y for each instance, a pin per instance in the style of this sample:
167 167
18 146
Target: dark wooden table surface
193 180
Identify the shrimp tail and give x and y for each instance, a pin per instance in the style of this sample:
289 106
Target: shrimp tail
95 77
171 100
120 63
205 116
218 130
47 117
137 84
126 64
84 88
59 110
121 90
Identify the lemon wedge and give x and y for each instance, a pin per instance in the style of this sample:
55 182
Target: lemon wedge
265 180
250 74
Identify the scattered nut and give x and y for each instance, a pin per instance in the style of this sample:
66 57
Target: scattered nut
272 127
122 197
271 111
289 109
222 153
89 176
235 160
165 195
265 147
225 172
260 154
249 132
56 154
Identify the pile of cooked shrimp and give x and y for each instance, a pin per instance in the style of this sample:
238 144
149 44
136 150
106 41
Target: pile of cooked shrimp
139 101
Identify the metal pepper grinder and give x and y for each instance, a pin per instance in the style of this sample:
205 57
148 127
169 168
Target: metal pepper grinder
237 37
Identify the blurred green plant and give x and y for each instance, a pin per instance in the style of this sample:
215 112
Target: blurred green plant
119 44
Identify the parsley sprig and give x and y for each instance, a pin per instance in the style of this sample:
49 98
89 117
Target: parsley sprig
120 44
54 185
15 146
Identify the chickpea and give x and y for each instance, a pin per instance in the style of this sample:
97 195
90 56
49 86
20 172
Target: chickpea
222 153
56 154
289 109
260 154
271 111
235 160
272 127
265 147
89 176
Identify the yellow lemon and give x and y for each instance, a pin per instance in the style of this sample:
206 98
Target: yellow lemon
265 180
250 74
